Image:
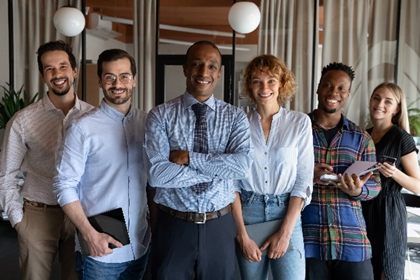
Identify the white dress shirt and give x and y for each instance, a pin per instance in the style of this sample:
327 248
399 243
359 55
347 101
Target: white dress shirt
30 141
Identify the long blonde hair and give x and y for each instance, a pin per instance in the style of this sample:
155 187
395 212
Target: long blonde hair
400 118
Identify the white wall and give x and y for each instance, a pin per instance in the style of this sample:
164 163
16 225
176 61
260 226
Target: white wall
95 45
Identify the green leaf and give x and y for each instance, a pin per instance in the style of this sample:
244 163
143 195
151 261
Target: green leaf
12 102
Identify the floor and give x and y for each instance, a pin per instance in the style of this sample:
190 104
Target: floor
9 258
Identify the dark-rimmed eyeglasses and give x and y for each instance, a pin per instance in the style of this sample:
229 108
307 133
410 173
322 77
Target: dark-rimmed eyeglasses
109 79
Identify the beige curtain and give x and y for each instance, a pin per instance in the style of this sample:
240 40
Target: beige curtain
144 52
409 51
363 34
33 26
287 31
345 40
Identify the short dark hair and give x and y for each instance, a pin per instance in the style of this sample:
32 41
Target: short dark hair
338 66
113 55
55 46
202 43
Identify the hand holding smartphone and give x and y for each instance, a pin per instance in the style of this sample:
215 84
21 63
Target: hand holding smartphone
388 159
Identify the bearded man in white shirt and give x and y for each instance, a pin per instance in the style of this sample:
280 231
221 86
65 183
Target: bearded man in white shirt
30 142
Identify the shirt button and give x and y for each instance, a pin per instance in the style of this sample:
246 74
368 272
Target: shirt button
265 153
266 182
265 168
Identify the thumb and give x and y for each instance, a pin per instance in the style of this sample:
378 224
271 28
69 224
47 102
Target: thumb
265 245
113 243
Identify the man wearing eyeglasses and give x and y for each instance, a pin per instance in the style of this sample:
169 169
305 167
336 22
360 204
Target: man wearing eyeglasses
100 168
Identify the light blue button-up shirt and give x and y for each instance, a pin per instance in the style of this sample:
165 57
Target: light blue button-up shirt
170 126
285 163
101 163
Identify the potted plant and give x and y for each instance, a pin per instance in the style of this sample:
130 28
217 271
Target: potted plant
12 102
414 121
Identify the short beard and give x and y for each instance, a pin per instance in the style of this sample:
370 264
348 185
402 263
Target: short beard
329 111
64 92
61 93
117 101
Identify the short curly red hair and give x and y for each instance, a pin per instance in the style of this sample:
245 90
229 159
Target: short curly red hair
273 66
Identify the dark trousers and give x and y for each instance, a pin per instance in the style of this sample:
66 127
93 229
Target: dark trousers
183 249
335 269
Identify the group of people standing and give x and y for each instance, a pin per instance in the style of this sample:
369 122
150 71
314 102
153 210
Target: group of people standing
195 173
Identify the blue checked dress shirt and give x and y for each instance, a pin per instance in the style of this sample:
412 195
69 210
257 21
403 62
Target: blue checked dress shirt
170 126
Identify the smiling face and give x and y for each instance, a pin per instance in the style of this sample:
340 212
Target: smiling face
264 87
202 70
57 72
333 91
383 105
116 92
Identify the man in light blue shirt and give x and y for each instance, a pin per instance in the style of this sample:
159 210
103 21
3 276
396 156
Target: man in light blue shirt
195 231
100 167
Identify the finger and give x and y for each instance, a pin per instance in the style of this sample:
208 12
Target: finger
324 166
265 245
114 243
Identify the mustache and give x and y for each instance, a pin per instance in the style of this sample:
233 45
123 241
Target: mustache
115 88
58 78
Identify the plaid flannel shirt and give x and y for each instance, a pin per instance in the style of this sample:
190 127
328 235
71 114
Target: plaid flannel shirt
333 224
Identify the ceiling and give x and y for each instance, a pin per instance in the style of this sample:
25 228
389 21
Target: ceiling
209 15
204 14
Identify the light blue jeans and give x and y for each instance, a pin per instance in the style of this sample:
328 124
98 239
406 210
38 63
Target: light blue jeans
91 269
263 208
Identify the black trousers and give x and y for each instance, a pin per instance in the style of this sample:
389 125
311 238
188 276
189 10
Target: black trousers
335 269
183 249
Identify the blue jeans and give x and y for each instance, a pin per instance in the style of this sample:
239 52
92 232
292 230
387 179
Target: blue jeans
91 269
263 208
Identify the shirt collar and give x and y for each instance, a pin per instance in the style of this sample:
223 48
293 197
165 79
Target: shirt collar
48 105
345 120
188 100
275 116
113 113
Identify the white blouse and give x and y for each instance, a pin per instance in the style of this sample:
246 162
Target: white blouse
285 163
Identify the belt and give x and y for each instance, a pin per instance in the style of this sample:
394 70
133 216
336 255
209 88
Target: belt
196 217
39 204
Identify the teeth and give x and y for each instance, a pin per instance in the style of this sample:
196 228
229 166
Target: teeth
265 95
60 82
203 82
332 101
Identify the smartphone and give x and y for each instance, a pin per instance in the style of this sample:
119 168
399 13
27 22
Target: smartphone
387 159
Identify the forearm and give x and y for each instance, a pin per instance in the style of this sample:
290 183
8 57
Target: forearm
237 215
75 213
165 174
410 183
293 213
222 165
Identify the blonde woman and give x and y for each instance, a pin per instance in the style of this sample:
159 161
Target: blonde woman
280 182
386 216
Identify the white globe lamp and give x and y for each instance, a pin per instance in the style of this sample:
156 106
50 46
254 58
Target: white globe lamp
69 21
244 17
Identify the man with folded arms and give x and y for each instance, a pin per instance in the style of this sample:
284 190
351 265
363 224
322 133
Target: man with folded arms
100 167
196 145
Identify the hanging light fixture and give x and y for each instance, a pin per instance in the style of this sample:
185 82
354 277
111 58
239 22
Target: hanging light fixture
244 17
69 21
